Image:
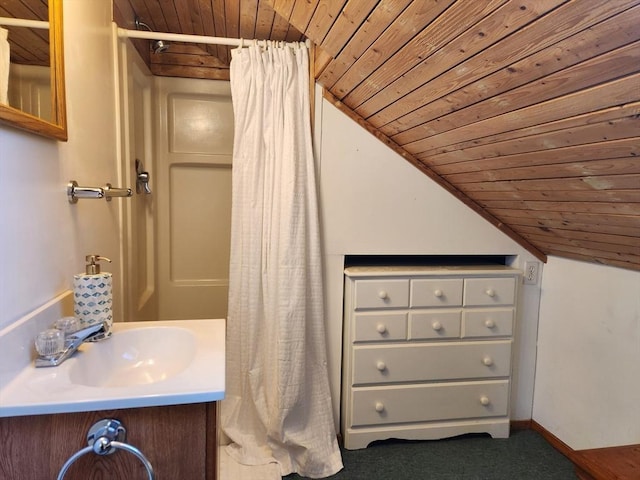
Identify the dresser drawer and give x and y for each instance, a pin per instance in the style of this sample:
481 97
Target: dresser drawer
380 326
427 362
487 322
434 324
436 292
391 293
489 291
424 403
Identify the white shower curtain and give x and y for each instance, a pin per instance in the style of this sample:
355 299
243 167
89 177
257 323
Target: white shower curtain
278 406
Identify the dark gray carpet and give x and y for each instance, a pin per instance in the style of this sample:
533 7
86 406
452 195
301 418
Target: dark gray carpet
523 456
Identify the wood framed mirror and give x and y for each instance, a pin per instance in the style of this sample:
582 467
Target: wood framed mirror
49 119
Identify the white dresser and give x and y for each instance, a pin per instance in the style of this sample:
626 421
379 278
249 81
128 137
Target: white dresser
427 352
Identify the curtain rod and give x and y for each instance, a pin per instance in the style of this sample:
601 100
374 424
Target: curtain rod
21 22
181 37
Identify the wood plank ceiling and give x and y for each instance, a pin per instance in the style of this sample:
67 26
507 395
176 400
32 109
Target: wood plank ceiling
250 19
527 110
27 46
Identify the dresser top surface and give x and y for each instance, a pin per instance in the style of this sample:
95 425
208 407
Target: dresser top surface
402 270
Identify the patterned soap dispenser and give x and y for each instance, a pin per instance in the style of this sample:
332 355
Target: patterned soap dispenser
92 294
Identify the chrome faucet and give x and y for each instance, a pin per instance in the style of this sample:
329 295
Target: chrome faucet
72 342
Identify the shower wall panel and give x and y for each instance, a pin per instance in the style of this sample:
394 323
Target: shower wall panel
195 143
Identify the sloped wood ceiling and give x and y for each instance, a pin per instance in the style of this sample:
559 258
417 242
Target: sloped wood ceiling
527 110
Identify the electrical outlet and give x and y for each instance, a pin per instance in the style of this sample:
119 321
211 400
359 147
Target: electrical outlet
531 270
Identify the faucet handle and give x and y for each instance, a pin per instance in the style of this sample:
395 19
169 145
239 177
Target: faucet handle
50 343
142 179
68 325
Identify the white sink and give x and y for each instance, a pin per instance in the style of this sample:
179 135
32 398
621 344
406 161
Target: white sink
134 357
142 364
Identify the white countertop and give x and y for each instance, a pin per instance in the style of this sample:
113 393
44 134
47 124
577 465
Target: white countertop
47 390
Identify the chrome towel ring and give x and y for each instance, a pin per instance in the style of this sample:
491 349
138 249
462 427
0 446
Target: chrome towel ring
104 438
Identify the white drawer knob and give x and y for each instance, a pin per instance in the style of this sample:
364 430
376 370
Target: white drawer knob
487 360
383 294
484 400
437 326
489 323
381 328
381 366
379 407
491 292
438 293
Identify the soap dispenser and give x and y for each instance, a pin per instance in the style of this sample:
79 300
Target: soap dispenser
92 294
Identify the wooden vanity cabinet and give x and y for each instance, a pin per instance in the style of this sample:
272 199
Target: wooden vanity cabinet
178 440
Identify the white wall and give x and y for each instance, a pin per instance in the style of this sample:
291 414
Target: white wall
587 389
373 201
43 237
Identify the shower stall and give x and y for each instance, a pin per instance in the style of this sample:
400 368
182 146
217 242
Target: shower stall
176 238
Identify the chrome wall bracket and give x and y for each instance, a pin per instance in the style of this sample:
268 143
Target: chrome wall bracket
75 192
102 433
